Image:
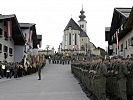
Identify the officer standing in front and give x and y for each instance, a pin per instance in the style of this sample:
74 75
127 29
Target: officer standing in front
39 72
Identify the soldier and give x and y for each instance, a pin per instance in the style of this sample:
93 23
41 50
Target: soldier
3 70
121 77
39 72
100 80
129 64
7 70
49 59
15 70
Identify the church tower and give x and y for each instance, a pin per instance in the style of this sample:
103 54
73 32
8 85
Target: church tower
82 22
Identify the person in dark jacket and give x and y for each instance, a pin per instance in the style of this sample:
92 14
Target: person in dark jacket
39 72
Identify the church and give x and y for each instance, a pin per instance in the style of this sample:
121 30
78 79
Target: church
75 38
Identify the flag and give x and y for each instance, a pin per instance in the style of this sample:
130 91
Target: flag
40 44
121 27
116 33
9 29
30 35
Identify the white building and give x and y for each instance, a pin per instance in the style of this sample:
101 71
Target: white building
31 38
121 27
11 39
16 40
75 38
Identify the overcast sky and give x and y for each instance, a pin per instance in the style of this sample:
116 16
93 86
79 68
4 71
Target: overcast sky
52 16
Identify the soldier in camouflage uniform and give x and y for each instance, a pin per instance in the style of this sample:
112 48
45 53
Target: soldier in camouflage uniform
129 64
100 80
121 80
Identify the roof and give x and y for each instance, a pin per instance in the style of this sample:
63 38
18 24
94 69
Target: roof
73 25
120 16
124 11
16 31
93 44
83 34
7 16
39 37
130 20
107 29
26 25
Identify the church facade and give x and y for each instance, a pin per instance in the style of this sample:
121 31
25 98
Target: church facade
75 38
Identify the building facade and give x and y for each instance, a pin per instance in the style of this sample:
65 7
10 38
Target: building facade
16 39
120 34
75 38
11 38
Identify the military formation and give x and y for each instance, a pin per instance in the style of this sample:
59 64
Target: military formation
110 78
19 69
58 59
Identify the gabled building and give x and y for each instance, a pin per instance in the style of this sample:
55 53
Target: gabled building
17 40
31 38
11 39
75 38
120 34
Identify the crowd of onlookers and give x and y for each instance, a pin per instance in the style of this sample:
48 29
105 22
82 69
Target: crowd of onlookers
15 69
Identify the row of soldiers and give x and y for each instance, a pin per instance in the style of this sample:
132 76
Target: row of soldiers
106 78
59 60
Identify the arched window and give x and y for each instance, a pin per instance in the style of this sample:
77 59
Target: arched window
69 38
75 39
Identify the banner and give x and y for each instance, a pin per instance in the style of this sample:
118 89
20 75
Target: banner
117 44
30 35
9 29
40 44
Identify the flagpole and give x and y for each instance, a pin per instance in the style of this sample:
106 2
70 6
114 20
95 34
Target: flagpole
116 33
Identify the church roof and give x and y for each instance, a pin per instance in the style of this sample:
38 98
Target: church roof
16 31
73 25
83 34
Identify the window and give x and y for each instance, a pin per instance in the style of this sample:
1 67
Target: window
10 51
132 41
4 23
126 45
75 39
116 50
82 47
82 26
121 47
129 42
5 35
0 48
0 32
69 38
5 49
70 28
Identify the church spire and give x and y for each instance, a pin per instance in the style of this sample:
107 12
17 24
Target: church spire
82 16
